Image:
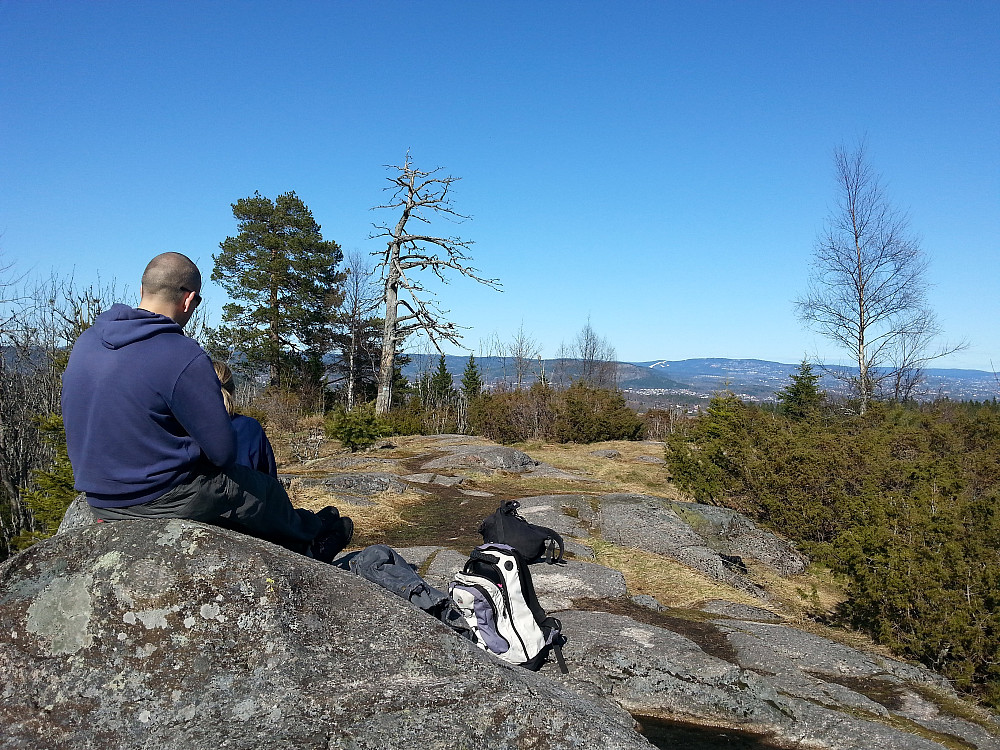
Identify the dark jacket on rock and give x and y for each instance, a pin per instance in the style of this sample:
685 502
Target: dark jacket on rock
143 409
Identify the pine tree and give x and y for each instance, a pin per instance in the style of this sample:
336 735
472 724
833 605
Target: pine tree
53 487
802 398
440 386
472 381
284 277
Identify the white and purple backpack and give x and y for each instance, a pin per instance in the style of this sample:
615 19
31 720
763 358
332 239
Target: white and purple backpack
496 597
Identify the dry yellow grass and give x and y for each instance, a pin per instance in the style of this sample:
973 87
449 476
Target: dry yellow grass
623 474
798 598
384 516
672 584
522 485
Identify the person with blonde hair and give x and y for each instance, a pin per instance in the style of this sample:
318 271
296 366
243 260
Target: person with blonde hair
253 449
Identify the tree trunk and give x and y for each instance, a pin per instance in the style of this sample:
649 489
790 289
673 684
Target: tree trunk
273 369
384 400
351 367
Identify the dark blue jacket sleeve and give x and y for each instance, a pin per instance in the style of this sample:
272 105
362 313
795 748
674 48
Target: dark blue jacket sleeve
267 462
253 449
197 404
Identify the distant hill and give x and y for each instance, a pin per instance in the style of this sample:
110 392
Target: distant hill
695 380
757 379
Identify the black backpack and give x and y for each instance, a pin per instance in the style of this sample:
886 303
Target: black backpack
532 541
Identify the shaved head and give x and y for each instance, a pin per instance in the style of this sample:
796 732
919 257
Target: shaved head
170 276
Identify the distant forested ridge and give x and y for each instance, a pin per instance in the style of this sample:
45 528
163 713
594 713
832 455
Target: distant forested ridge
752 379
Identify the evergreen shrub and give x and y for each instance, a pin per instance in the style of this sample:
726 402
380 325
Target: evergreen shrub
357 429
584 414
904 501
579 414
513 416
405 420
52 490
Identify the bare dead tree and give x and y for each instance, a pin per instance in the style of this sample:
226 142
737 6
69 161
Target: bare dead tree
560 368
10 297
496 349
418 196
868 286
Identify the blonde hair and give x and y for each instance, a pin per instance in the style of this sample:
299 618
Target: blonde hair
228 385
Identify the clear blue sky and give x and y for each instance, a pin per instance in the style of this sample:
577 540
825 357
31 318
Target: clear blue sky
661 167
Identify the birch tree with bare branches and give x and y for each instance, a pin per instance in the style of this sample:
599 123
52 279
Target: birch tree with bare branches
418 197
868 286
597 358
524 351
359 338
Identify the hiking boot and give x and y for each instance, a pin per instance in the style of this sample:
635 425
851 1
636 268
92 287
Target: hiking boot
336 534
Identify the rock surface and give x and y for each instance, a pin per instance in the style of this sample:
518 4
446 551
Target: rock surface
710 540
355 483
653 670
173 634
608 453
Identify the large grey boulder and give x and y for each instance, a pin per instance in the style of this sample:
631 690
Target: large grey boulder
650 523
561 513
78 514
736 534
654 671
173 634
818 670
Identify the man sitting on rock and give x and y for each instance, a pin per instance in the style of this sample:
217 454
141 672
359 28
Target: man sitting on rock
149 436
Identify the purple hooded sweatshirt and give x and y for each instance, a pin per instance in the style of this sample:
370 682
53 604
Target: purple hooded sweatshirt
142 408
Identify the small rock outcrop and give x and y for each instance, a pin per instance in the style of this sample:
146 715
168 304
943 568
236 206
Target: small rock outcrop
711 540
606 453
354 483
484 457
794 689
173 634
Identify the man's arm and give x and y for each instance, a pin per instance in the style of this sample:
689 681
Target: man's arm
197 404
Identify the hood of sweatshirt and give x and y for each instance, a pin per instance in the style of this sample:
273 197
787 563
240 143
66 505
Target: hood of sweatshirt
122 325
